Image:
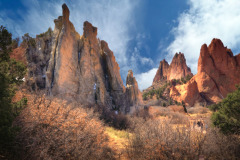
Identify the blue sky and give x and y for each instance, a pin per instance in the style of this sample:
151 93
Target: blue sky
139 32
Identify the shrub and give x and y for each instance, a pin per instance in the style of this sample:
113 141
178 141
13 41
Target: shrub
55 129
156 139
113 118
227 115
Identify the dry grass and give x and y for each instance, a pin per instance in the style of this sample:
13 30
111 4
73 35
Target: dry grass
55 129
155 139
118 140
198 110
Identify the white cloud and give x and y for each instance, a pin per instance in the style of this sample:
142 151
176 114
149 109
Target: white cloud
204 21
145 79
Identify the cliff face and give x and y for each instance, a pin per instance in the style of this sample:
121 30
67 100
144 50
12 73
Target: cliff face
75 67
218 73
133 94
176 70
37 53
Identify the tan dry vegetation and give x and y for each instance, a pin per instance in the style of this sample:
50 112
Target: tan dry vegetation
156 139
55 129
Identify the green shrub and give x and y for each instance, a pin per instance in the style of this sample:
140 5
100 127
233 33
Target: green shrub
227 115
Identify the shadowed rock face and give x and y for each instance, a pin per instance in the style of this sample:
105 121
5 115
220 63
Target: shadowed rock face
162 71
133 94
218 73
176 70
75 67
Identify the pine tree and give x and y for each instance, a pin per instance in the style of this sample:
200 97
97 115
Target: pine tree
11 75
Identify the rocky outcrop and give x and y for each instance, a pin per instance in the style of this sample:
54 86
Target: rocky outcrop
62 70
176 70
218 73
133 94
37 53
162 71
75 67
83 67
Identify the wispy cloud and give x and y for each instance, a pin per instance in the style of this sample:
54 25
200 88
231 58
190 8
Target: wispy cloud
204 21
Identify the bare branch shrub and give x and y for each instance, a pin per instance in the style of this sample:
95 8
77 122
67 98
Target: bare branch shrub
155 139
55 129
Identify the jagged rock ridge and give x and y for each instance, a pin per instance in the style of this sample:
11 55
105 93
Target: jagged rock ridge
81 68
218 73
176 70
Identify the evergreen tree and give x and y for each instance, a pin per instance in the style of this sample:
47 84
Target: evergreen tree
11 75
227 113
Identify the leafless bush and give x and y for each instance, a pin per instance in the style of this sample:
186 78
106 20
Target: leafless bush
54 129
156 139
178 118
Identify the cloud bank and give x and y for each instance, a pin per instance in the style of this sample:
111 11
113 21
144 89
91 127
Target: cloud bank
204 21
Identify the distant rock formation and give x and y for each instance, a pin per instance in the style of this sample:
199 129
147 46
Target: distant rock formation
133 94
162 71
218 73
75 67
176 70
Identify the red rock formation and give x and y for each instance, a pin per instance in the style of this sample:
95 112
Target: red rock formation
176 70
83 67
162 71
218 73
61 72
133 94
75 67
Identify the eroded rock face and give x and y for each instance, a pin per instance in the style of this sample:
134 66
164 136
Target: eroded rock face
162 71
176 70
83 68
75 67
62 69
218 73
37 53
133 94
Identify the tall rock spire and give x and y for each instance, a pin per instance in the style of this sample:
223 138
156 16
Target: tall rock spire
133 94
